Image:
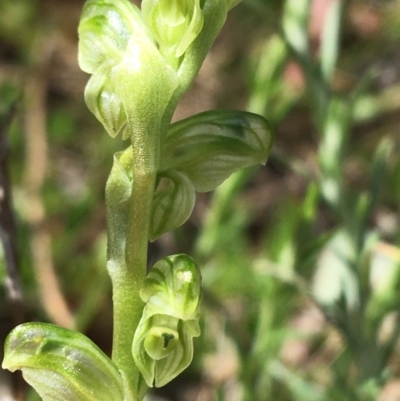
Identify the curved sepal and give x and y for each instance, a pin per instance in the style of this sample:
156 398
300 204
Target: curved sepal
210 146
104 31
163 343
173 203
62 365
103 101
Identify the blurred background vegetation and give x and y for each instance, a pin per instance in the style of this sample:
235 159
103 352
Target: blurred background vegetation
300 258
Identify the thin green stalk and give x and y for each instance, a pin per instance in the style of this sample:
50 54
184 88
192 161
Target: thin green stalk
128 278
127 306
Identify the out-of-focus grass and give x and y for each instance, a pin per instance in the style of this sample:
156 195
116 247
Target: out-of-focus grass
301 286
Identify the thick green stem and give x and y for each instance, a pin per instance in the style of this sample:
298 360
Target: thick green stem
126 305
128 277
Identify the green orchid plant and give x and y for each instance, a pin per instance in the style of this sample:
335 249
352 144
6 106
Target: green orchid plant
142 62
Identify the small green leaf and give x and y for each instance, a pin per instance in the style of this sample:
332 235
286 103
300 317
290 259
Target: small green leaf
62 365
210 146
163 344
172 203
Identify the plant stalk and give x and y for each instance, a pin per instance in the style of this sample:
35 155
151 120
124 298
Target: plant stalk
127 279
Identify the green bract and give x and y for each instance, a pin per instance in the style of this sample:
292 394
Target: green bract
163 343
210 146
62 365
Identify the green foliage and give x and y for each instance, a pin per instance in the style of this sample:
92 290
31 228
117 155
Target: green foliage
135 86
62 364
209 147
201 152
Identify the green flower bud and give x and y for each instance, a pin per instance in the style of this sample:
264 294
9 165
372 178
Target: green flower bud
62 365
175 24
104 31
163 343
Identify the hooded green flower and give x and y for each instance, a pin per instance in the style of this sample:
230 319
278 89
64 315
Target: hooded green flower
175 24
129 74
163 343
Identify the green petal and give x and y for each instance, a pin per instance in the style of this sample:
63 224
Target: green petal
61 364
172 204
210 146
